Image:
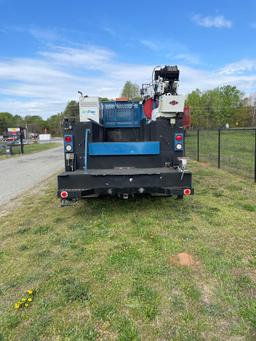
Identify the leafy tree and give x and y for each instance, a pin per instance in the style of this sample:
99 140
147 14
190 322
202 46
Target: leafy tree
243 116
131 90
55 124
105 99
231 100
72 110
194 101
7 120
35 124
216 107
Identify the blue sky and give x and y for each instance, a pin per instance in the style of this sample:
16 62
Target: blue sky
51 49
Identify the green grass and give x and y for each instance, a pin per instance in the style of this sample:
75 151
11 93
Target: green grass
31 148
237 149
101 270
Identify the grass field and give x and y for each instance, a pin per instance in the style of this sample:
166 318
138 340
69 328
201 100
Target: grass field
237 149
30 148
106 269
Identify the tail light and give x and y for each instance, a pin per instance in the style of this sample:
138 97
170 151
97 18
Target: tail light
179 138
64 194
68 143
187 191
178 142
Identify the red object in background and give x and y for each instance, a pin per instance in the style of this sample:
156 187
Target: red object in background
12 138
186 117
122 99
148 108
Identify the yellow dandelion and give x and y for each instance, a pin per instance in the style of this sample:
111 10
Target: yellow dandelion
24 299
30 292
17 305
26 305
30 299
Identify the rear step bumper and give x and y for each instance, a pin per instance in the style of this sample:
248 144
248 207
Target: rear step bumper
162 182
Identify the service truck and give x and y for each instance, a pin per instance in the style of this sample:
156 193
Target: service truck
128 148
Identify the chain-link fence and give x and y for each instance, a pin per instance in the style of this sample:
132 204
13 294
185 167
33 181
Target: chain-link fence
230 149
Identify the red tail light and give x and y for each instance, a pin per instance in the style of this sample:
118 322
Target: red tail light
179 137
68 139
64 194
187 191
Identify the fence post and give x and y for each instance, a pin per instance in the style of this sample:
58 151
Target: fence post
21 140
219 130
255 155
198 151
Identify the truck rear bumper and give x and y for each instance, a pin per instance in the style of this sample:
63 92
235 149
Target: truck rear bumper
124 182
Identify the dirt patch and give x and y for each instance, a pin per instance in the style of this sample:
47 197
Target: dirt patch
183 259
207 293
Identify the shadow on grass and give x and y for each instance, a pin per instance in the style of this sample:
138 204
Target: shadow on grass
143 205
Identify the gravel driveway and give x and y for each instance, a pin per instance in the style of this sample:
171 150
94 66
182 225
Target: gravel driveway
22 173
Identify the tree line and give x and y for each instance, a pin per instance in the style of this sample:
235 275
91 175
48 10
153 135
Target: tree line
220 107
209 109
36 124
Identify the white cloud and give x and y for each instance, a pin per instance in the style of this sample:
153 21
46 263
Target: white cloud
31 107
43 34
171 49
30 70
210 79
189 58
86 57
218 21
110 31
244 65
44 85
152 45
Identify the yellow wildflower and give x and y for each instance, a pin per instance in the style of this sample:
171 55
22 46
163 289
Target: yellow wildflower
26 305
24 299
17 305
30 292
30 299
